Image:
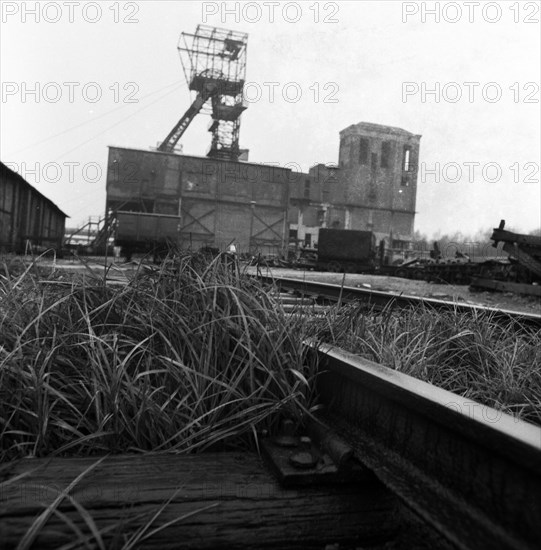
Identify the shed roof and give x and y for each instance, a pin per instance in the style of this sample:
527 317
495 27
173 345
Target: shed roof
8 173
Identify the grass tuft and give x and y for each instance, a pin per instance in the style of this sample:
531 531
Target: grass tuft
477 356
187 356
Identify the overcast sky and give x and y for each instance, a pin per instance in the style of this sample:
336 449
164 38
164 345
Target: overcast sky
336 63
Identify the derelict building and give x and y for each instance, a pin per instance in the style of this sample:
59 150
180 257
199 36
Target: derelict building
373 187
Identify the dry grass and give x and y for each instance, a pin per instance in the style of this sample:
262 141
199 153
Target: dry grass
192 356
477 356
188 356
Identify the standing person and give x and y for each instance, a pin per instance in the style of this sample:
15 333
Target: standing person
231 256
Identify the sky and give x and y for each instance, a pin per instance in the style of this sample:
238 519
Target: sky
77 77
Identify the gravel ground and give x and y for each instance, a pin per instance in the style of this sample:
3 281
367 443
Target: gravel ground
460 293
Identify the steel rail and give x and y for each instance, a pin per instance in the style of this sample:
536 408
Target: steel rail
472 472
381 299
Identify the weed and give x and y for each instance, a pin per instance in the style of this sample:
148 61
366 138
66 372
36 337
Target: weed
476 356
187 356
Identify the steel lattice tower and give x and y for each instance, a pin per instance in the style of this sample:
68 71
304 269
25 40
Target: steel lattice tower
214 64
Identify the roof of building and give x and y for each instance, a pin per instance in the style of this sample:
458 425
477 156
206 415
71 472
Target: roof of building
378 128
6 172
199 157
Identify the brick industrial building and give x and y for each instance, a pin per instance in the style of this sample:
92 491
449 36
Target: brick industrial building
215 201
373 187
261 208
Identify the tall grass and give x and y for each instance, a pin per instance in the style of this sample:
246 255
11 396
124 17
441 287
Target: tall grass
187 356
477 356
191 356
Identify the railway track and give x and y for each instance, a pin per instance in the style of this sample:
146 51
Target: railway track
325 293
471 472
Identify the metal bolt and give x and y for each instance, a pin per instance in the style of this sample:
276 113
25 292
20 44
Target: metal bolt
304 458
286 438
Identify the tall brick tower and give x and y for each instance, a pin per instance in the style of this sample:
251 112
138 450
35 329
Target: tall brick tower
378 180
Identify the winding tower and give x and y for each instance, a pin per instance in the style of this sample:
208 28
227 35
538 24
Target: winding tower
214 64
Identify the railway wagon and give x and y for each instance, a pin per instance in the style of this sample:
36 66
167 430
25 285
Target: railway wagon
346 250
28 219
138 231
217 202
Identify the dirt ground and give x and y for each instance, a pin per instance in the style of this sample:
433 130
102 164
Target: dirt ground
460 293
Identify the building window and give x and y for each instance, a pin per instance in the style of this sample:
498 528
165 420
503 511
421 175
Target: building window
320 217
407 159
325 191
344 153
364 149
307 239
386 153
307 189
293 235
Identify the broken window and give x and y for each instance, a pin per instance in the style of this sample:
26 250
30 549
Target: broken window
407 159
343 152
307 189
373 167
386 152
325 191
307 239
364 149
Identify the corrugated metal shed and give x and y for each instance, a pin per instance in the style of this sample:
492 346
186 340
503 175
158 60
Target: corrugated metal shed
27 217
